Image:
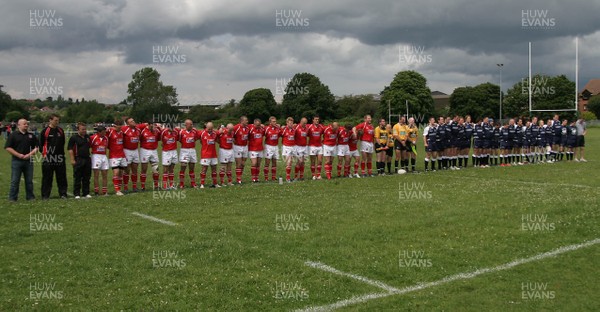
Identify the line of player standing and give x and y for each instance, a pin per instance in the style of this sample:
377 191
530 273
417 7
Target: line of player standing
449 141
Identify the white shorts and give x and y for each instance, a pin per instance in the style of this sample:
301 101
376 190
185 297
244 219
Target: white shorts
132 156
226 156
147 155
301 151
188 155
354 153
256 154
118 162
343 150
288 151
99 162
240 151
329 151
208 161
315 150
366 147
169 158
271 152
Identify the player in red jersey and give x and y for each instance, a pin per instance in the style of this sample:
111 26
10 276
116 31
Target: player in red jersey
353 147
288 133
240 147
315 147
208 154
366 134
330 135
343 152
255 147
131 142
226 153
149 134
118 163
169 137
272 134
99 144
187 152
301 136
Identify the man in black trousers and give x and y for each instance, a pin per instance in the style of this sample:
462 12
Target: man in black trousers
22 145
79 152
52 146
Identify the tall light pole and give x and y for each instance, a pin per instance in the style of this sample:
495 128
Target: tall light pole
500 67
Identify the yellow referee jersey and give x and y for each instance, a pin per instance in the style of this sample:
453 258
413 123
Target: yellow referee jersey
401 131
381 135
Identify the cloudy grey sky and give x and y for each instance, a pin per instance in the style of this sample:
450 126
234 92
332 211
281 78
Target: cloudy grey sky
218 50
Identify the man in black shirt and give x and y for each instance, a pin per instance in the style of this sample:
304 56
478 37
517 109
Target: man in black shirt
79 151
22 145
52 144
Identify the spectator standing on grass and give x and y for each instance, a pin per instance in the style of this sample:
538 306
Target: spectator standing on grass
52 145
581 132
22 145
79 152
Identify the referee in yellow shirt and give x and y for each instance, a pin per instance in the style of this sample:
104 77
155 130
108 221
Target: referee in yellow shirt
400 134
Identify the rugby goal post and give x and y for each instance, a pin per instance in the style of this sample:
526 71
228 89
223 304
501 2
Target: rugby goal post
529 88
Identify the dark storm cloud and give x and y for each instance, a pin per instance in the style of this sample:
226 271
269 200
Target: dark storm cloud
226 41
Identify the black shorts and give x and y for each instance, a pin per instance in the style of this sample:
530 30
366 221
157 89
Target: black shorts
378 146
580 141
400 147
478 143
431 147
390 151
563 141
572 143
465 144
556 140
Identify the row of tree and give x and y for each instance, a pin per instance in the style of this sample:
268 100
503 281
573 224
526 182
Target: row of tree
306 95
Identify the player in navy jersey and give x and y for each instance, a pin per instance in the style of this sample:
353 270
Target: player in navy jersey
454 142
527 142
495 146
487 141
549 138
461 143
441 143
512 137
518 148
557 136
477 143
504 146
466 147
563 139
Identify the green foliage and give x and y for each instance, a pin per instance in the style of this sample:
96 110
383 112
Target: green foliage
480 101
594 105
357 106
149 96
408 86
14 116
588 116
202 114
89 112
306 96
547 92
258 103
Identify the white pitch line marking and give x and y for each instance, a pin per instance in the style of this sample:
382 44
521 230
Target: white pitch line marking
324 267
153 218
451 278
